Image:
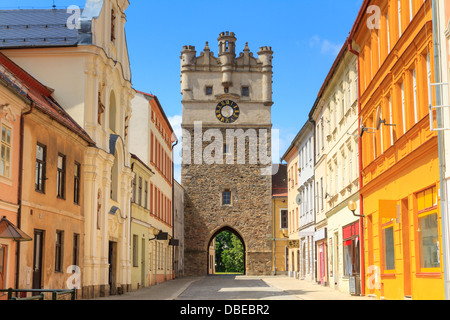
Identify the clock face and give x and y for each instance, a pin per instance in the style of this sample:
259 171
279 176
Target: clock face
227 111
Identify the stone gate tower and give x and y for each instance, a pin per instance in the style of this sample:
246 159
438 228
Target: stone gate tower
226 170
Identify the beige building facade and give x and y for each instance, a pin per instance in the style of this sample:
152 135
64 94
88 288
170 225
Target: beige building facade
91 76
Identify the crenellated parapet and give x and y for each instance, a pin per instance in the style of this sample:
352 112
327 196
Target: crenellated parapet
225 66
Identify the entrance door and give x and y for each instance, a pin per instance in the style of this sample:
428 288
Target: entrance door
406 252
112 267
143 255
2 266
336 258
37 259
321 264
304 260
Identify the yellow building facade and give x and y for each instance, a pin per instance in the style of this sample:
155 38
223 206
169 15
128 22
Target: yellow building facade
141 225
89 69
280 220
400 162
293 247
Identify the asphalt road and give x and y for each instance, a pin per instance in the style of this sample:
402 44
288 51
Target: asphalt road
229 287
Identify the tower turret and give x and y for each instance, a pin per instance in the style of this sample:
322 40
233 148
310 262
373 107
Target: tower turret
265 57
188 56
227 54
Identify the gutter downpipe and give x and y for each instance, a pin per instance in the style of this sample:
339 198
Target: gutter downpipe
361 200
19 189
441 146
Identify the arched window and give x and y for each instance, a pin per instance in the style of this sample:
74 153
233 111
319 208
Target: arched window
115 179
112 112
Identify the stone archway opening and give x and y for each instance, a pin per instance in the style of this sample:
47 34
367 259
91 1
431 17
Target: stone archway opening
226 253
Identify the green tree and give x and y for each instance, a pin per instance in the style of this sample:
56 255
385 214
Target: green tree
229 253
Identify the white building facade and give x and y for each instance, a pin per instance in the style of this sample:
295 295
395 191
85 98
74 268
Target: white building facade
306 190
340 98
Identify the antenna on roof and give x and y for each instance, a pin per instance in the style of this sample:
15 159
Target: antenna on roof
54 5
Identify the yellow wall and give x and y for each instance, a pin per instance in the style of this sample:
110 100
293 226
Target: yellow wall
403 185
279 203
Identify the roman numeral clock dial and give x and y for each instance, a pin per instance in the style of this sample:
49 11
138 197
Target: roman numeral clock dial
227 111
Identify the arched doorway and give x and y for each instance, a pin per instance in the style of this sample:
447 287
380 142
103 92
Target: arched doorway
237 248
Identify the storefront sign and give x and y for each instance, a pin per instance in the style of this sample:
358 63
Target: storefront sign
320 234
294 244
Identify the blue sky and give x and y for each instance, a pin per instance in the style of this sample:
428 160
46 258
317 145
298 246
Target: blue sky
305 35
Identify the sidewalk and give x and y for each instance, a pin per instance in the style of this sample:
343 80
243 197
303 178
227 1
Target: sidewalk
307 290
168 290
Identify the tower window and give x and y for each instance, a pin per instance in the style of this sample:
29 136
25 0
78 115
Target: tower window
113 25
209 91
226 198
245 91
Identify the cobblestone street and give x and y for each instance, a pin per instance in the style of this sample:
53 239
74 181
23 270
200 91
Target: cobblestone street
236 288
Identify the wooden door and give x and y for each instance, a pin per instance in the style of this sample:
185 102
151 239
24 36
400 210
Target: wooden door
37 258
143 255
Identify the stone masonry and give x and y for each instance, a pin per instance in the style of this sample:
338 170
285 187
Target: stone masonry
250 212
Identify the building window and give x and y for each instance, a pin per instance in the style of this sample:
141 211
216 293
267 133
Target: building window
140 192
76 244
112 112
226 198
284 219
226 149
134 189
428 230
429 241
40 168
135 250
59 251
114 192
388 249
245 91
61 176
113 25
146 194
209 90
5 159
76 183
350 235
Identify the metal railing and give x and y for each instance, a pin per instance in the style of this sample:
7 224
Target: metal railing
40 293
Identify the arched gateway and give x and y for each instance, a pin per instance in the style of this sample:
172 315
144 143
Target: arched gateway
211 252
227 168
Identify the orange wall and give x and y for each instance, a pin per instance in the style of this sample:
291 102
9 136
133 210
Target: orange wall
398 161
9 186
46 211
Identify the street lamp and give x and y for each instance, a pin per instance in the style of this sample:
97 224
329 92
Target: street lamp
159 235
352 206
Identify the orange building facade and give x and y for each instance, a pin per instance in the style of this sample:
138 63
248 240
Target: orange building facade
12 106
400 160
50 188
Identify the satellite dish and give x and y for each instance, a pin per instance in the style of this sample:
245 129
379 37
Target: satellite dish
361 127
378 119
298 199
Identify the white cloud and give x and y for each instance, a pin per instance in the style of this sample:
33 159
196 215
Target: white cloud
325 46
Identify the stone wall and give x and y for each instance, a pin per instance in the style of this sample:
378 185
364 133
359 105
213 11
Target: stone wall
250 214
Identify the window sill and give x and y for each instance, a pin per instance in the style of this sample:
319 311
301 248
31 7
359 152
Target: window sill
6 180
388 275
429 275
